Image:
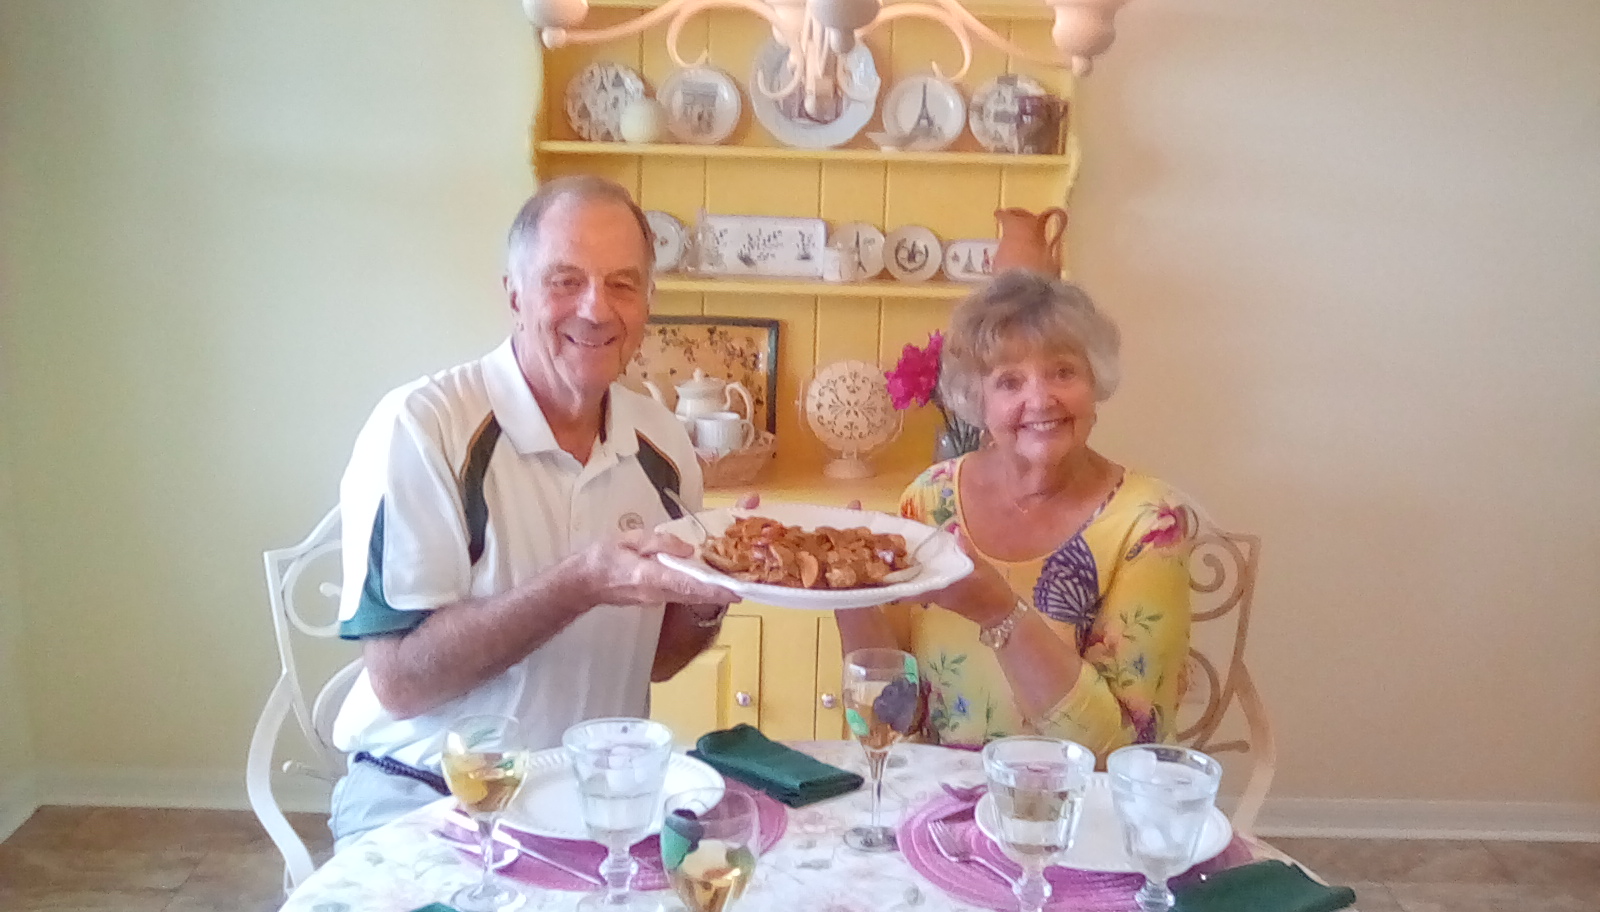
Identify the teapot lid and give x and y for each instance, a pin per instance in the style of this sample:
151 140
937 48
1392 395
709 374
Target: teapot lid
700 384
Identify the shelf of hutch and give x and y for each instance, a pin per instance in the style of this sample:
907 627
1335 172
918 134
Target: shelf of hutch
815 288
784 153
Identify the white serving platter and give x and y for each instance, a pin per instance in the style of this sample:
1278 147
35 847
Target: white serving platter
939 564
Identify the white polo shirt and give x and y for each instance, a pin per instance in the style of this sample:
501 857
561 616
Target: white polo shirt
457 488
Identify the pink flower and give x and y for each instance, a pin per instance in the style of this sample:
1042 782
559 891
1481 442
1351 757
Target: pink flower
915 378
1172 526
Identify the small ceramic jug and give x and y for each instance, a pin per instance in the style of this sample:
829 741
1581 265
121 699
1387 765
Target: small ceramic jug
1027 241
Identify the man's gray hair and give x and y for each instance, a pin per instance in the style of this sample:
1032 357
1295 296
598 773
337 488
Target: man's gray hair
524 235
1020 309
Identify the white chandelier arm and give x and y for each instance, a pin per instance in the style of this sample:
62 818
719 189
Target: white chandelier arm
676 10
914 8
789 87
971 25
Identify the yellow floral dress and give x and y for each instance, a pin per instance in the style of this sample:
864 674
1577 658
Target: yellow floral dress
1119 588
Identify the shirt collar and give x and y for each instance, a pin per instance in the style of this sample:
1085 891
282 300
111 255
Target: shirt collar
524 423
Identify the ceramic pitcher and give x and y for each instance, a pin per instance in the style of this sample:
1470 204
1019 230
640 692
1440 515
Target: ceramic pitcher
1027 241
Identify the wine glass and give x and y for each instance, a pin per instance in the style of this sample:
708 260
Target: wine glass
1163 795
1037 785
621 765
484 765
883 701
708 843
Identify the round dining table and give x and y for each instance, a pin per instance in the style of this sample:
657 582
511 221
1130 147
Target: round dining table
406 864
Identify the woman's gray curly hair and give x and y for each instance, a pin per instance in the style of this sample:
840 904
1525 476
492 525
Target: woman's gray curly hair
1023 311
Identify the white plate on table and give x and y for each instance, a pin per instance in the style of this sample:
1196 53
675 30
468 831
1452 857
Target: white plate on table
549 803
940 563
1098 846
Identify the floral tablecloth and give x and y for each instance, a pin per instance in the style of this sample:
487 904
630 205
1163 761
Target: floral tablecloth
403 866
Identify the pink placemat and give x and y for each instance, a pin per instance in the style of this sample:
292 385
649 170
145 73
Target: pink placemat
1071 890
586 856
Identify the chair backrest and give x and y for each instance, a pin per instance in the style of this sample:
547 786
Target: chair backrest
1222 577
290 573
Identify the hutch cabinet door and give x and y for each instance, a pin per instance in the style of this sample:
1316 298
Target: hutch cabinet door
719 689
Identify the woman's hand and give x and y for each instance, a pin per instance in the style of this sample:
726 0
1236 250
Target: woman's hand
982 596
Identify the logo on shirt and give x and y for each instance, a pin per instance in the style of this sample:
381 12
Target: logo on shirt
630 522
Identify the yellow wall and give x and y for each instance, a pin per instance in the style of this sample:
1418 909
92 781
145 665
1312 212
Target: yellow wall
1356 275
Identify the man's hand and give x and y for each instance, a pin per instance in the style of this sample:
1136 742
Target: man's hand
625 572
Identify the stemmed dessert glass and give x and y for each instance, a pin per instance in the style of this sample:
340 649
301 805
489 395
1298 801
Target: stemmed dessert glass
708 846
621 765
1037 785
484 765
883 702
1163 795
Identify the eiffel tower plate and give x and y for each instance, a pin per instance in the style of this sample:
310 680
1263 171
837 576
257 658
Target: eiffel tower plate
924 113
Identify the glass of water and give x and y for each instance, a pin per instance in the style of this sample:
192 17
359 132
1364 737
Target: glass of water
621 765
1037 785
1163 795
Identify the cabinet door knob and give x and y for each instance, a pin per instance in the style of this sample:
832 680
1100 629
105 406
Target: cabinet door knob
829 701
742 698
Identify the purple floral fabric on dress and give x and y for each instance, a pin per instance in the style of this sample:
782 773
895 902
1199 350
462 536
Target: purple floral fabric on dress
1068 589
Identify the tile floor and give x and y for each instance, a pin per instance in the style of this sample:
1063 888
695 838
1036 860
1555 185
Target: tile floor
70 859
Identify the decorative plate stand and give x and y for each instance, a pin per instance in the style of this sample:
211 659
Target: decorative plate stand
847 406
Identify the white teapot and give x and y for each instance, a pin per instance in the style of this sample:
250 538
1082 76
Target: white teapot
703 395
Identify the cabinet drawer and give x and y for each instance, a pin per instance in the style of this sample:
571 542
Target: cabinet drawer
720 688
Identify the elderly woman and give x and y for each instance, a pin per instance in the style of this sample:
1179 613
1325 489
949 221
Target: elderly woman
1075 622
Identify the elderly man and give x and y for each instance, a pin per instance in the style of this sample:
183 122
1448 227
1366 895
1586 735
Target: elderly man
497 552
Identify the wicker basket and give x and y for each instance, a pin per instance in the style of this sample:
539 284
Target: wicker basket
741 467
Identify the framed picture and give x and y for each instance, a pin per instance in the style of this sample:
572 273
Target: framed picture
744 349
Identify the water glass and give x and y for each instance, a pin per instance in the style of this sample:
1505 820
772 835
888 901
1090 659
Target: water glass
708 846
621 765
484 765
1037 785
1163 796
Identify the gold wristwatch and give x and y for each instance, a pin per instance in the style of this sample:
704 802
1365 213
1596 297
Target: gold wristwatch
996 635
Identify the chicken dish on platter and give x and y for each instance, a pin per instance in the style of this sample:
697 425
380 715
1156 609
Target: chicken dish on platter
761 550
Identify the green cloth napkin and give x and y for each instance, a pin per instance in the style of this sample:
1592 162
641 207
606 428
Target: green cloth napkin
1264 886
435 907
793 778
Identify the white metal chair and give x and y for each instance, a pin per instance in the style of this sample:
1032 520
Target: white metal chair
286 568
1222 575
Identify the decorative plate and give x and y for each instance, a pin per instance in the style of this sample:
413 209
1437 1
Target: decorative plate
924 113
702 105
833 121
939 564
761 245
671 240
993 113
847 406
549 804
1098 845
862 247
596 97
913 253
969 261
742 349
